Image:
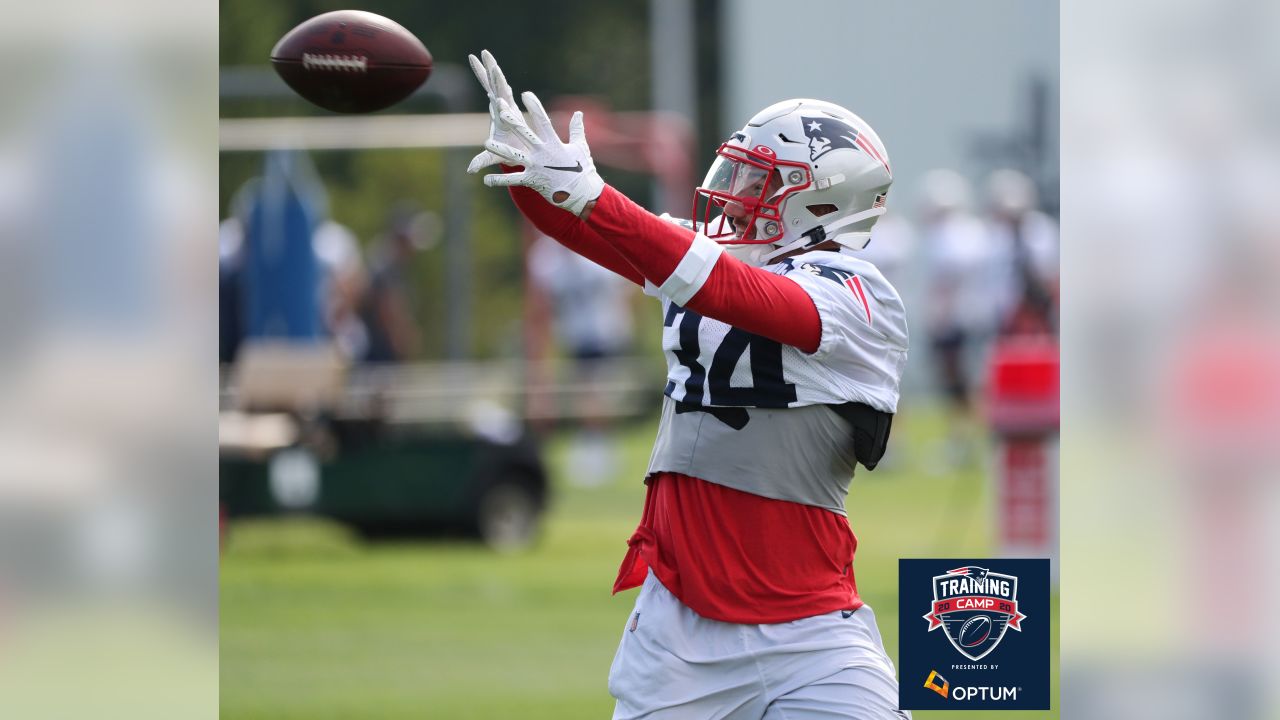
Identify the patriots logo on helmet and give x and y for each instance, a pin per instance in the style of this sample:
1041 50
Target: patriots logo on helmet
826 134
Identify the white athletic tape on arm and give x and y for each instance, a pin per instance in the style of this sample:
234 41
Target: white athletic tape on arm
693 270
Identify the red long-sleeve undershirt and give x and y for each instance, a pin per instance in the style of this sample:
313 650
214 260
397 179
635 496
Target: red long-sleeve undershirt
631 241
574 234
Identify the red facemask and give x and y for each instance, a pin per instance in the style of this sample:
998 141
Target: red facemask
739 201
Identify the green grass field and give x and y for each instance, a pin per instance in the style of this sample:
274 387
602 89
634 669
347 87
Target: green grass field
318 625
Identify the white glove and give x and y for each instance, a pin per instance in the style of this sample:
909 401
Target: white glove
495 86
562 173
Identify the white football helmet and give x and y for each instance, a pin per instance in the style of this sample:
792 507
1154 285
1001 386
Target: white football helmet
800 172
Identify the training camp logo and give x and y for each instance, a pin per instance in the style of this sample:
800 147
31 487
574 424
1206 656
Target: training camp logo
974 607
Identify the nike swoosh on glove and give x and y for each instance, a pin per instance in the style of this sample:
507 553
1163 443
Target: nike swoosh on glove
563 173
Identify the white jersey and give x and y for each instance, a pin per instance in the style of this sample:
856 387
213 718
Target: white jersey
860 358
775 431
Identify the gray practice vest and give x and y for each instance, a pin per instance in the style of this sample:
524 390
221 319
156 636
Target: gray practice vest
802 454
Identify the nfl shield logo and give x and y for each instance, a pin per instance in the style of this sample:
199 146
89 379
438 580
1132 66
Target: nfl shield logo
975 607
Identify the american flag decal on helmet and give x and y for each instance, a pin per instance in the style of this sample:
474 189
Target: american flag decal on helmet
879 203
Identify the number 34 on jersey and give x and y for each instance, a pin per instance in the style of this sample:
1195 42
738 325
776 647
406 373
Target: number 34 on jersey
860 358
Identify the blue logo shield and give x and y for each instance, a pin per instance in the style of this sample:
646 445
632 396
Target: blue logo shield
974 607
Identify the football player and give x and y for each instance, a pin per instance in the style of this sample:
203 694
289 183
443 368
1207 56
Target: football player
784 353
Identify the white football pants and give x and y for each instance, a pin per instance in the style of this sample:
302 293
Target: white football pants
673 664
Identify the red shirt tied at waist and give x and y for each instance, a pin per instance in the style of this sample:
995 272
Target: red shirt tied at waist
736 557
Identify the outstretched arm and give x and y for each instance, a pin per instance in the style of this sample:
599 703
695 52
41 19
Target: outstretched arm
690 268
620 235
573 233
554 222
632 242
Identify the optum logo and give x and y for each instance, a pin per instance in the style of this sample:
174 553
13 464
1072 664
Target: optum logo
963 693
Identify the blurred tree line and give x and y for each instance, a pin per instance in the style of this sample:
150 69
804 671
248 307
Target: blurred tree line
560 47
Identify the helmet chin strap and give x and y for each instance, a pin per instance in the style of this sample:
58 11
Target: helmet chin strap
831 231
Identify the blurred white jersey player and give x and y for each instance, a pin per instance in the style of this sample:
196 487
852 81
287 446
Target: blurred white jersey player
784 353
965 291
591 312
1026 242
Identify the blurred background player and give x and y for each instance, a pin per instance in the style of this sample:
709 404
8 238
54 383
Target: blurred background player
591 316
962 305
1026 244
342 290
231 254
341 282
892 248
388 306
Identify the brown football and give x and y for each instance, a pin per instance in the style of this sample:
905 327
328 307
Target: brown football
351 61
